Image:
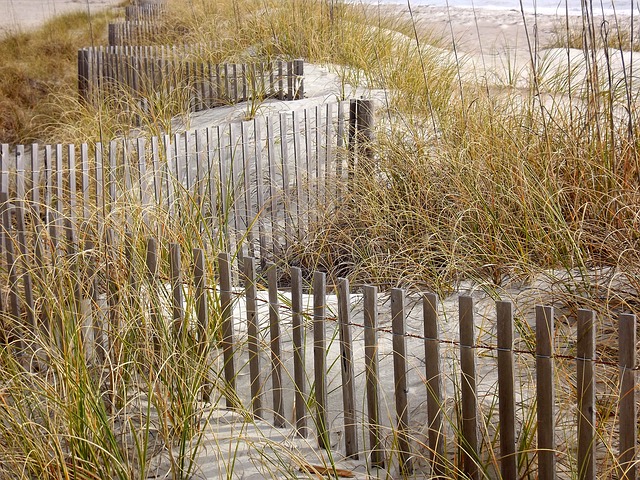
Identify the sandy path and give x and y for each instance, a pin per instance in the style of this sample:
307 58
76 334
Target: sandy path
17 15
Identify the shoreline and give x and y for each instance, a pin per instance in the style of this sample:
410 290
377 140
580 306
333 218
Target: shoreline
488 31
559 10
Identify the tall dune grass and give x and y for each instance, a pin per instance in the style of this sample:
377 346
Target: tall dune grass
498 183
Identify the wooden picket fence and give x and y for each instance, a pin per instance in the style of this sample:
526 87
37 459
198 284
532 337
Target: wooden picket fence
142 25
256 184
135 75
135 32
358 321
463 427
145 13
68 209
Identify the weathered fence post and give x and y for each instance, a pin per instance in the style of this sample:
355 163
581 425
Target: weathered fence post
469 392
76 298
298 72
112 344
586 395
202 313
545 393
371 371
628 413
226 305
290 82
298 352
175 268
274 333
151 262
346 363
133 274
113 35
4 168
319 358
398 321
506 395
83 75
434 383
252 334
351 140
365 134
360 135
13 336
20 207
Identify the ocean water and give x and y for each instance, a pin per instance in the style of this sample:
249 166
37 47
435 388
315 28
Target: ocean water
608 7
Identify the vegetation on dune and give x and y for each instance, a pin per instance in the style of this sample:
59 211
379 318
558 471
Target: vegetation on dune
39 73
494 182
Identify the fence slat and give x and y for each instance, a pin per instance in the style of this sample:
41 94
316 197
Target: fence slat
224 208
398 319
95 326
86 196
297 163
12 337
213 181
298 72
273 196
340 154
290 81
27 282
545 392
258 141
276 357
113 300
73 259
201 141
35 182
111 175
319 358
151 263
469 394
169 173
141 166
59 210
49 213
284 152
370 294
234 182
586 400
252 336
133 277
4 165
506 393
156 173
346 363
202 313
307 212
226 306
247 211
298 352
73 187
434 382
20 202
100 186
628 413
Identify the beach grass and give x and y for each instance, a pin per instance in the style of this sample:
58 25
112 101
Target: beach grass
504 182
